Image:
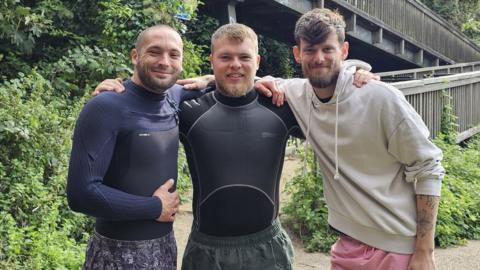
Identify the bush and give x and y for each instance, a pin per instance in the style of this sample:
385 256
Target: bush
307 211
37 229
459 211
49 62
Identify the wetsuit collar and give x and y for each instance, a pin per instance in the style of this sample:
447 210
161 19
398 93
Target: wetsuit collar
236 101
142 92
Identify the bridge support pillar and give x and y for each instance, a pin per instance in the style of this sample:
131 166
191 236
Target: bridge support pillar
419 57
400 50
352 24
378 36
318 3
227 11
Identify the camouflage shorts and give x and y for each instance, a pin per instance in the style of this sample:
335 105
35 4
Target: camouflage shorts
105 253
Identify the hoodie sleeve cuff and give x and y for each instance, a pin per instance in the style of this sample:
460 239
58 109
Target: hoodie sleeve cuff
357 63
429 187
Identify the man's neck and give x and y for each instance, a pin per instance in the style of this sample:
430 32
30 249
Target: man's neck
324 93
136 80
237 100
237 95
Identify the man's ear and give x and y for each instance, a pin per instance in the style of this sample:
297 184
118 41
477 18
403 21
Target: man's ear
210 57
296 54
258 61
134 56
345 48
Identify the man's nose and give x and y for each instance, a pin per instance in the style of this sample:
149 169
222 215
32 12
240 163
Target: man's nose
235 63
319 57
163 60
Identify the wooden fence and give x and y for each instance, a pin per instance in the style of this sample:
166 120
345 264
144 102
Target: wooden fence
413 19
429 72
427 96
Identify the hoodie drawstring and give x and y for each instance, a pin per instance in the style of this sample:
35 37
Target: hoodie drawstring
336 176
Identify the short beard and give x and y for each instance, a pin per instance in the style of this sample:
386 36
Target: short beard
151 84
321 82
236 92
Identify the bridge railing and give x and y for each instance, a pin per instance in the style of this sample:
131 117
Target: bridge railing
427 97
429 72
413 19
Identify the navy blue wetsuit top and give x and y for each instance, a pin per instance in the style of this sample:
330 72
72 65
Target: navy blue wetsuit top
124 147
235 149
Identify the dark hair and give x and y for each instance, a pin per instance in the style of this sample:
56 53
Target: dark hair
315 26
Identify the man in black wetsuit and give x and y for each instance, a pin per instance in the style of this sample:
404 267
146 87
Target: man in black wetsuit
235 143
124 160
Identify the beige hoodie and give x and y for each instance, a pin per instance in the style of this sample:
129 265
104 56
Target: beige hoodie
377 146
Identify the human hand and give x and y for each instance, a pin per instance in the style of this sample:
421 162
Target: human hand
109 85
197 82
170 201
362 77
269 88
422 260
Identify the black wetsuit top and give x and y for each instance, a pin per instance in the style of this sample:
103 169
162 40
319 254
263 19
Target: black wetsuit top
124 147
235 149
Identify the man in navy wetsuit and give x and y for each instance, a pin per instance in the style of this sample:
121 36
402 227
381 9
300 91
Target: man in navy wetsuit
124 160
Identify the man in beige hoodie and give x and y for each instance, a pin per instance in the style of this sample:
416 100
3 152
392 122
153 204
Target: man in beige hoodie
382 175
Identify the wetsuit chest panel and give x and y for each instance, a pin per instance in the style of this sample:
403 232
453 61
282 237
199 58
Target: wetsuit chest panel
139 165
245 145
145 156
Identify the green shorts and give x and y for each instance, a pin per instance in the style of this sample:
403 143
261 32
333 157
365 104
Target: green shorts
269 249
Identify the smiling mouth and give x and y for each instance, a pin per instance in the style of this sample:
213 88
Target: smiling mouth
161 73
318 67
235 76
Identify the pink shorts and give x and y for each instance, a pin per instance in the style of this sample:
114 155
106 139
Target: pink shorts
350 254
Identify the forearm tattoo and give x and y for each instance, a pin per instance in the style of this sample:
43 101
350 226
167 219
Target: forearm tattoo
426 214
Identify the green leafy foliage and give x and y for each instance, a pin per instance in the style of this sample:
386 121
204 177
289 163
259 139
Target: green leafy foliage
306 210
464 14
459 211
276 59
199 31
448 126
52 53
122 20
39 230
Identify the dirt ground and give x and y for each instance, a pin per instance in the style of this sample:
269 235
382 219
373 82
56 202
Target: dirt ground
456 258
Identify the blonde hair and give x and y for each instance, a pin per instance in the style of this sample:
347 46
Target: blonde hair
235 31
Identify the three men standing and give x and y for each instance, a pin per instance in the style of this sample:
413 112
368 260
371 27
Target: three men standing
382 174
